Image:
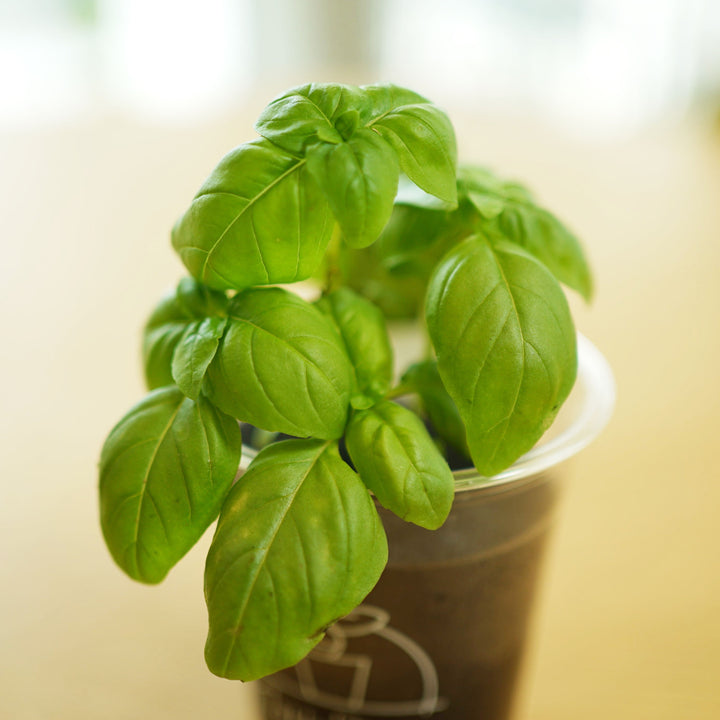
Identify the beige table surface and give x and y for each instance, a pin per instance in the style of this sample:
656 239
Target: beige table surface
629 622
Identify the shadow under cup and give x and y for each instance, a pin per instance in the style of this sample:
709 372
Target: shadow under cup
443 633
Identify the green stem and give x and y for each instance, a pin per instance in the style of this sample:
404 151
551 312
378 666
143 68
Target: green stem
398 391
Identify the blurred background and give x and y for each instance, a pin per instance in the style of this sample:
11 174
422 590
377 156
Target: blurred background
600 67
112 112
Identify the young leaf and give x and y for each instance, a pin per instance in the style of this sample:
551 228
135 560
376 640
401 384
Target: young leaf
421 134
282 366
474 178
167 324
165 469
199 301
399 462
424 140
328 112
545 237
298 545
362 328
194 352
505 344
360 180
259 219
424 379
508 211
384 98
304 115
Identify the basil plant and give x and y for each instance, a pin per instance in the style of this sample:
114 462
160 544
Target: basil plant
358 190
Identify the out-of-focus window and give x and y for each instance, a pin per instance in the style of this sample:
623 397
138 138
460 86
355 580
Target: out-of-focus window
596 66
47 60
171 60
600 66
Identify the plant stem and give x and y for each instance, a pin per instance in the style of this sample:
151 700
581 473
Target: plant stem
398 391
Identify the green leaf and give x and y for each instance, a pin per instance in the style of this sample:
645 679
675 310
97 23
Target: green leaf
362 327
308 113
324 111
340 130
299 544
424 379
199 301
399 462
259 219
360 179
511 213
396 296
505 344
487 205
544 236
167 324
393 272
162 333
348 123
194 352
424 140
415 239
482 180
410 194
383 98
165 469
282 366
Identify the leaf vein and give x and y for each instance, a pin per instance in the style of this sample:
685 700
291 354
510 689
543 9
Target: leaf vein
274 532
250 204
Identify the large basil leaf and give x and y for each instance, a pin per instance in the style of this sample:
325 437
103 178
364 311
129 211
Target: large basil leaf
282 366
505 344
299 544
399 462
194 352
360 180
164 472
509 211
259 219
424 140
424 379
362 327
170 320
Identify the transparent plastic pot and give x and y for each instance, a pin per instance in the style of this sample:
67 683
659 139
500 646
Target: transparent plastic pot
444 632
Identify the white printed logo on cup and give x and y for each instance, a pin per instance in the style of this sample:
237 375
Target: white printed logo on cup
364 621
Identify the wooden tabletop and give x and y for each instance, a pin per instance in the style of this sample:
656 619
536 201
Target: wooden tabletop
629 620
